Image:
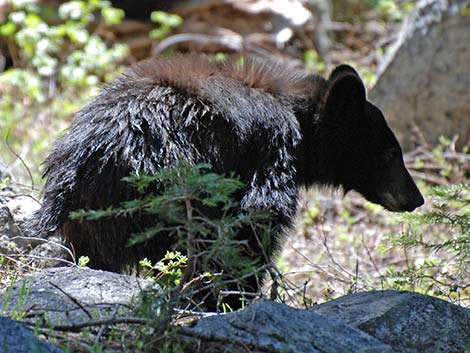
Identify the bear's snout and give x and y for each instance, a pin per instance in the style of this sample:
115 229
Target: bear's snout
406 201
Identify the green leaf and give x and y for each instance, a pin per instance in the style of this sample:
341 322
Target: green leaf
8 29
164 18
112 16
32 20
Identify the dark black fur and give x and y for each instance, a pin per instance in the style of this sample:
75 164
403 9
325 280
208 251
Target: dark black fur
279 129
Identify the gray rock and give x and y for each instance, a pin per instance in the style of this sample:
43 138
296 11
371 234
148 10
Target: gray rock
16 211
72 295
7 221
378 321
51 252
22 207
274 327
426 78
16 237
15 338
409 322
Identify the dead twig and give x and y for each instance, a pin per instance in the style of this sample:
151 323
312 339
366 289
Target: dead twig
94 322
72 299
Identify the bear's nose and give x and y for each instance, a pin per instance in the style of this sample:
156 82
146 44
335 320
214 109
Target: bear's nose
415 203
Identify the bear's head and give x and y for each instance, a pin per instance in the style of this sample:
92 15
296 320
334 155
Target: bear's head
369 158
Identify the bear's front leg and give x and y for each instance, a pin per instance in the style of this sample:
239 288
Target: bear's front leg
272 186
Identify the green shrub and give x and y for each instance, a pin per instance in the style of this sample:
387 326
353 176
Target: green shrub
443 229
197 208
166 22
59 60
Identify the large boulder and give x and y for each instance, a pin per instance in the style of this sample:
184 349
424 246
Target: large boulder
402 322
407 321
426 78
275 327
15 338
69 295
377 321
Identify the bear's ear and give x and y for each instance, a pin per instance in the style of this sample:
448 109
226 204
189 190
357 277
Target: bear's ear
346 95
341 70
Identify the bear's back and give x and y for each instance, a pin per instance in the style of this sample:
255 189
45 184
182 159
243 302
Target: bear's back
250 95
192 108
194 74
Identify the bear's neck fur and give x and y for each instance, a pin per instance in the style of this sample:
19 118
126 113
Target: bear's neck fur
319 154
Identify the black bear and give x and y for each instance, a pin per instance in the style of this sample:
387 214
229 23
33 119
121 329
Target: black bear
277 128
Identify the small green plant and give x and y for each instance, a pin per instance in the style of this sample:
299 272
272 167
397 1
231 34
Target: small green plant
169 269
391 10
4 182
196 207
311 215
18 311
83 261
59 59
465 11
166 23
445 228
369 77
313 62
67 49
